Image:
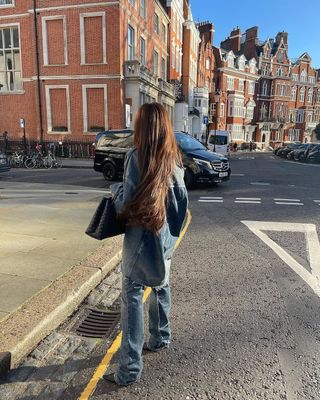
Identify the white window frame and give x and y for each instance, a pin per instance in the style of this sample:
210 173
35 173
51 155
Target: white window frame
163 69
310 95
2 6
15 25
230 83
143 8
134 42
85 105
293 93
251 87
49 112
241 85
222 110
45 39
145 48
155 68
302 94
82 37
156 28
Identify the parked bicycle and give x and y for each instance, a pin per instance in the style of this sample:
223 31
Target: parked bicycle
17 160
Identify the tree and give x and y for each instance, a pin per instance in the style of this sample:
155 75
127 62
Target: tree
317 131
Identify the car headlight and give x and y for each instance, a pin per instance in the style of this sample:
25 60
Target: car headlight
203 163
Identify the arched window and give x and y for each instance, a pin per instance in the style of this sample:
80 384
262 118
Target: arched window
303 76
302 94
293 93
280 72
264 90
310 95
230 60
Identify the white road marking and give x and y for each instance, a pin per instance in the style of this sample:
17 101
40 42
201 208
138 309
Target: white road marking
316 201
248 198
260 183
313 247
292 185
211 198
288 204
247 202
286 200
210 201
237 174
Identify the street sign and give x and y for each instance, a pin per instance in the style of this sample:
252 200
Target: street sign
205 120
22 122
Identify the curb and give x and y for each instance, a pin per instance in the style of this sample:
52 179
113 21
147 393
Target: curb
22 330
77 167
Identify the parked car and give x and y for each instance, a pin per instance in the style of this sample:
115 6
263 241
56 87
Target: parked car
301 153
314 155
201 165
287 149
4 163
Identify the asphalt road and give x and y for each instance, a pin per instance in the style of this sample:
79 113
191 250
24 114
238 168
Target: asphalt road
245 284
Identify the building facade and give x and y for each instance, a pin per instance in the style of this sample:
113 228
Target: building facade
71 69
233 103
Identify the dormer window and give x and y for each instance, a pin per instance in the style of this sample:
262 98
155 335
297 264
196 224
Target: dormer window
280 71
230 61
303 76
281 56
252 66
241 63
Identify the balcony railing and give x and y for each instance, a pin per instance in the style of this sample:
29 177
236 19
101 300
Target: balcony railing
135 70
201 92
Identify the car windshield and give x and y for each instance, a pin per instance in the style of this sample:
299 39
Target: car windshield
188 143
116 140
220 140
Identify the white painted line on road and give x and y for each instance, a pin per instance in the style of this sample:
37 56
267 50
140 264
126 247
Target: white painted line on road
286 200
247 202
210 201
211 198
237 174
316 201
292 185
313 247
260 183
288 204
248 198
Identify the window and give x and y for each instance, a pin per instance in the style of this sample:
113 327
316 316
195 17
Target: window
155 62
58 109
265 70
131 43
208 62
54 51
249 113
241 63
312 80
156 24
236 108
230 111
142 51
143 13
10 62
95 114
251 87
230 83
236 131
303 76
281 55
295 77
93 38
241 85
299 116
163 69
309 117
310 95
222 110
302 94
280 71
6 3
293 93
252 66
132 2
164 33
264 90
230 61
292 116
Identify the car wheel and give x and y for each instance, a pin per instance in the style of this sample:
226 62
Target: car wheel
188 178
289 156
302 158
109 172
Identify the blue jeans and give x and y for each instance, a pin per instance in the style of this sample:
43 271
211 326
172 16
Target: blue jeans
132 324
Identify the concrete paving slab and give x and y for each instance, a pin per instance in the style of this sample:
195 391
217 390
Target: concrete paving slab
15 290
34 265
10 242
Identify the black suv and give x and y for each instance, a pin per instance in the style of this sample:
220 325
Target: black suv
201 165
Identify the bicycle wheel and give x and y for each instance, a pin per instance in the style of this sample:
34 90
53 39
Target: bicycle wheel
29 163
48 163
58 163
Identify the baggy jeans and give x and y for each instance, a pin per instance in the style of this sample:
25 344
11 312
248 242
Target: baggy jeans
132 324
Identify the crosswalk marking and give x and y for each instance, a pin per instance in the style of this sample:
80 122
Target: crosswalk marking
288 203
316 201
248 198
255 200
211 198
287 200
247 202
210 201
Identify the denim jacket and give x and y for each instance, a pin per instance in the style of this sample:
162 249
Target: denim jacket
146 256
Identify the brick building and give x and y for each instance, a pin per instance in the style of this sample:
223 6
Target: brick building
287 94
97 62
233 103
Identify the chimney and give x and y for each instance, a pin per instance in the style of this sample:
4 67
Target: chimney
206 30
282 35
251 42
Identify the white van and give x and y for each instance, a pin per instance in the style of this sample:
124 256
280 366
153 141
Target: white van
218 141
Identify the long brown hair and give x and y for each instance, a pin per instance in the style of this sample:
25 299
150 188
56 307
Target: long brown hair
157 155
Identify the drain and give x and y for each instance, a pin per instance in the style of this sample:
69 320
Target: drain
98 324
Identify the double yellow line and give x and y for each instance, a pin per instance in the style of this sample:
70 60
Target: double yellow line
102 367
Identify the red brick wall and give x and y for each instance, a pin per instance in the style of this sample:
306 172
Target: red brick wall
55 41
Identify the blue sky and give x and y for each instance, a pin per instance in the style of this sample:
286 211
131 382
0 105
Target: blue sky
301 19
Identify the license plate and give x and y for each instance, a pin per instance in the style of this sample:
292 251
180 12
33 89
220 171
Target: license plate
223 174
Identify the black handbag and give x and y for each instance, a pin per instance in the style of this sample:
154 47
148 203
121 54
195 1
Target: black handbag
105 223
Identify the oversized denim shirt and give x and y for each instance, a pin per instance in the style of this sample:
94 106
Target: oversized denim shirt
146 256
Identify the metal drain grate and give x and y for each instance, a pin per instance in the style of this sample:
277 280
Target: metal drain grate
98 324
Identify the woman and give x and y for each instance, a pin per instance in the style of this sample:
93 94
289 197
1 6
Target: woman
153 200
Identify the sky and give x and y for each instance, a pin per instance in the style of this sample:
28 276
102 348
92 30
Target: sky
300 18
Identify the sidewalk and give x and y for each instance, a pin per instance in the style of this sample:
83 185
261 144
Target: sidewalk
77 163
47 263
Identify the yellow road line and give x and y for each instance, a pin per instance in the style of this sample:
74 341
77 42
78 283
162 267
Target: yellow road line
102 367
